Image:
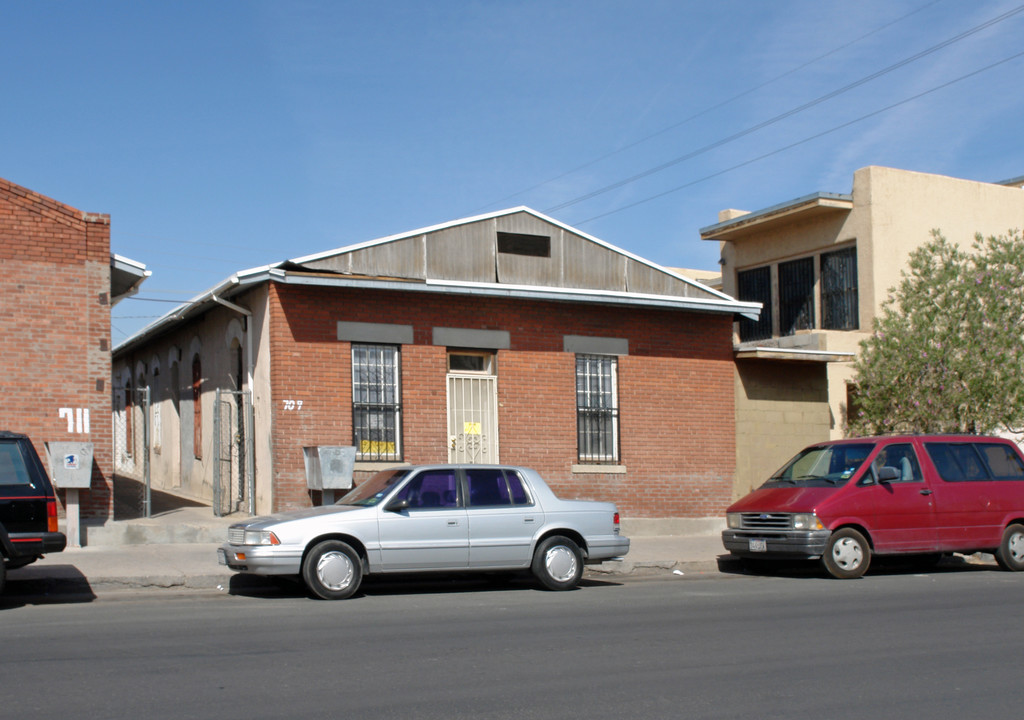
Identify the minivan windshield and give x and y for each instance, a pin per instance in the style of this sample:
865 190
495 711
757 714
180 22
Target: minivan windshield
822 466
375 489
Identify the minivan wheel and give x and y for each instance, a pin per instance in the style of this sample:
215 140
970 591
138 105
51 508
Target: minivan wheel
1010 554
332 570
847 555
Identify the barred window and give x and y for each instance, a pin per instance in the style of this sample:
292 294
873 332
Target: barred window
756 286
597 410
839 290
376 407
796 296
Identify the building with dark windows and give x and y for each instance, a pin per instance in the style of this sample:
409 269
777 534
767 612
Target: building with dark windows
508 337
821 266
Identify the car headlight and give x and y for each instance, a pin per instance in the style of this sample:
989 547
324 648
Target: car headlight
734 520
260 537
806 521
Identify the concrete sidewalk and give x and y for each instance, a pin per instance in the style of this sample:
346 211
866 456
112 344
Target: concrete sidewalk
192 566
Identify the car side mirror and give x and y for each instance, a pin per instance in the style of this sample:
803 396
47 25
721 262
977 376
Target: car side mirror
397 505
887 473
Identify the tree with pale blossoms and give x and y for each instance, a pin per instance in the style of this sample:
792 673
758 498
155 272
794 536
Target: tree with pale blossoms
947 351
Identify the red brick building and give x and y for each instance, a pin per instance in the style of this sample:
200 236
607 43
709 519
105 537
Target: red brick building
508 337
58 282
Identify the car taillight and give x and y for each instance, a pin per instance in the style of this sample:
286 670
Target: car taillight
51 515
616 519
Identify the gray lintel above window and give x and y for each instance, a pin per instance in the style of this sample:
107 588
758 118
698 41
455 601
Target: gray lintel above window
595 345
480 339
375 333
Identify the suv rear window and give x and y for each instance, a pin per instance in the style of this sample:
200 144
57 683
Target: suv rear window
12 465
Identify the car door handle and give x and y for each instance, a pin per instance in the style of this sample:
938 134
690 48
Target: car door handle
528 520
926 491
453 523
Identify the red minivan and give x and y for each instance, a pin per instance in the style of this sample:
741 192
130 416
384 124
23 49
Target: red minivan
846 500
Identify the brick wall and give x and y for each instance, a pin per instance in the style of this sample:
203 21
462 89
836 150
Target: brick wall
675 389
55 324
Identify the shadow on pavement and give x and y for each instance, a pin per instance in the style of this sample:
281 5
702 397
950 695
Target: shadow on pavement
880 566
130 496
58 585
286 587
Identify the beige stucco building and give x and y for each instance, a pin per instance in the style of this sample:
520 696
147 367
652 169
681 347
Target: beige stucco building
822 265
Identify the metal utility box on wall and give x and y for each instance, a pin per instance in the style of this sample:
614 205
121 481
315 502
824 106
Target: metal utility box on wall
70 464
71 469
329 468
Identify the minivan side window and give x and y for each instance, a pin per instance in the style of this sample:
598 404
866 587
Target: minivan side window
1004 463
900 456
957 462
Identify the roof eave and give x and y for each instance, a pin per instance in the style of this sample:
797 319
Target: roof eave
814 203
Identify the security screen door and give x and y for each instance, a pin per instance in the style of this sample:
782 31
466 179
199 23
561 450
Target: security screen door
472 418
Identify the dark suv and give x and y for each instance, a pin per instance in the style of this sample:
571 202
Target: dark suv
28 506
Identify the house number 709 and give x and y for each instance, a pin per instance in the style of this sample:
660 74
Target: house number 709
292 404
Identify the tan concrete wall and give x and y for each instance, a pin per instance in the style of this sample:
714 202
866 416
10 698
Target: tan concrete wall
894 212
898 209
781 407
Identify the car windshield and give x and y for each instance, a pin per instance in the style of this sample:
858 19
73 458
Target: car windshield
375 489
822 466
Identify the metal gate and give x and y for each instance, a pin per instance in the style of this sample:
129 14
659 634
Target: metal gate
131 445
472 419
233 469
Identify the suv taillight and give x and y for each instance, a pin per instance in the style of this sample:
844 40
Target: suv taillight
51 515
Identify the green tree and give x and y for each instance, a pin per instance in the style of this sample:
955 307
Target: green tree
947 351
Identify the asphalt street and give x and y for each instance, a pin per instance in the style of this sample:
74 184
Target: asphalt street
892 645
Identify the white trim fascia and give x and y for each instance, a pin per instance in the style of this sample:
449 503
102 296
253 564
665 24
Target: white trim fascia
535 292
129 265
793 351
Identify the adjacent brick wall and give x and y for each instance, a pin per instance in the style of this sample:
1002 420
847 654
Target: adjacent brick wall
55 324
676 392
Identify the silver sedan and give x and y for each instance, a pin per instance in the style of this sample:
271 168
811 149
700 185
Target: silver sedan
431 518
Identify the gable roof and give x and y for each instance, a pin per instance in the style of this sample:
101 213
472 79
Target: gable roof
511 253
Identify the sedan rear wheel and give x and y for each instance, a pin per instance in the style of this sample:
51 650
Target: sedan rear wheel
332 570
847 555
558 563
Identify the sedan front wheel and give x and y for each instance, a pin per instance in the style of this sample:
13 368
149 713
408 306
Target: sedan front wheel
332 570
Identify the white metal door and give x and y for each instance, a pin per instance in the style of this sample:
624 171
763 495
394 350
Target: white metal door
472 419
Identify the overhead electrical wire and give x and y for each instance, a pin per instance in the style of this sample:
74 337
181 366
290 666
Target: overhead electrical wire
789 113
804 140
712 108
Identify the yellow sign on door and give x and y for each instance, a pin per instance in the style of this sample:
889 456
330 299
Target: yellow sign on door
471 428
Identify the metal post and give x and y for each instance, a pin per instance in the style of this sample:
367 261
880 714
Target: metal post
148 502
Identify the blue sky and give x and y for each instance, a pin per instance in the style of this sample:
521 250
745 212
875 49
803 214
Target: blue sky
223 135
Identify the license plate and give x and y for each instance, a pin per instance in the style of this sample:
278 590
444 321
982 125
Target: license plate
222 557
758 545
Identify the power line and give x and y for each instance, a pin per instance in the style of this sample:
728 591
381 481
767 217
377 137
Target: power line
712 108
789 113
803 141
